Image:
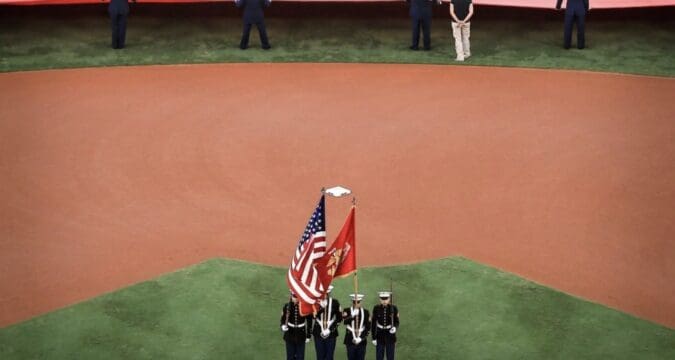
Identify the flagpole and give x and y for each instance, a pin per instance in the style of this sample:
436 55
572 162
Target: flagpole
346 234
356 298
323 193
356 284
356 279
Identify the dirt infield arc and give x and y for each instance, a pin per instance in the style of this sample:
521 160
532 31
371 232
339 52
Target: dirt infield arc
115 175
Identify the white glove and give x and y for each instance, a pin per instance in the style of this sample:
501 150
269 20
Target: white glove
325 333
355 312
284 328
392 330
323 303
375 342
306 340
357 341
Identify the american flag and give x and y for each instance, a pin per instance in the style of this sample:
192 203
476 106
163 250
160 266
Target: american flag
303 277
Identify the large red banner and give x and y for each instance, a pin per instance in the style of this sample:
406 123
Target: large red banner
595 4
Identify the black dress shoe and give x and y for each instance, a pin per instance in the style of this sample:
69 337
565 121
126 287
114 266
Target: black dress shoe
427 48
414 48
267 47
243 47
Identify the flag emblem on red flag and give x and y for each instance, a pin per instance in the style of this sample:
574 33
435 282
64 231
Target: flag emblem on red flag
303 278
340 258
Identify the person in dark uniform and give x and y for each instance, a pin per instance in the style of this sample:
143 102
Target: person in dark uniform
118 11
384 325
575 11
325 331
357 321
420 15
296 329
253 14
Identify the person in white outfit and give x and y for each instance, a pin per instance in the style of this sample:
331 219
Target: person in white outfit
461 12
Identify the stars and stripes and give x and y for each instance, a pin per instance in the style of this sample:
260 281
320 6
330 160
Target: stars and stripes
303 277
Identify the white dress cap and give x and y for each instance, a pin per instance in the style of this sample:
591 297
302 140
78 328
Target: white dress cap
357 297
384 294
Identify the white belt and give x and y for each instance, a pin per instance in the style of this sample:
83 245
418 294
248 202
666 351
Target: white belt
383 327
296 326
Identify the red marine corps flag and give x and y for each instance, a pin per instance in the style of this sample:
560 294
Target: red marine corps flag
303 277
340 259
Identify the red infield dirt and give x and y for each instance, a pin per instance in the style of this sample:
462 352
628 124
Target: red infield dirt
112 176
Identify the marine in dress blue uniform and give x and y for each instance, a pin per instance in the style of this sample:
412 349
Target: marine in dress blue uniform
296 329
325 328
357 324
253 14
385 323
420 16
575 12
118 11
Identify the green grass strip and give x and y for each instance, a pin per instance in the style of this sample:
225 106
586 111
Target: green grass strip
450 309
644 47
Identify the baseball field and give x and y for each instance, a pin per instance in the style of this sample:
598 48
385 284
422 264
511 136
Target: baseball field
520 203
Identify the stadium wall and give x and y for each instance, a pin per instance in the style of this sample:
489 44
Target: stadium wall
595 4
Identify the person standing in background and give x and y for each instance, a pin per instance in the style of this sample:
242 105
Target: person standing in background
461 12
575 11
118 11
253 14
420 16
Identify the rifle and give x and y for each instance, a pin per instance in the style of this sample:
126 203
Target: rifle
391 296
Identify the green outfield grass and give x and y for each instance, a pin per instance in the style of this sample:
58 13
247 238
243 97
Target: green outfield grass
27 43
450 309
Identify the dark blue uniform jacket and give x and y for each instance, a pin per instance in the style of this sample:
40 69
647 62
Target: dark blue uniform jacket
420 8
118 7
253 10
573 5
